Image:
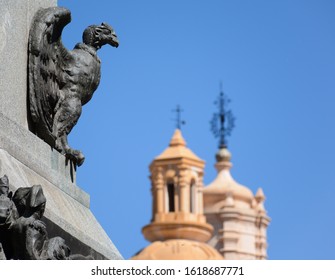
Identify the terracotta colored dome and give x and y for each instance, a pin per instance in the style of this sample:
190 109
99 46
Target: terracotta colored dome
178 249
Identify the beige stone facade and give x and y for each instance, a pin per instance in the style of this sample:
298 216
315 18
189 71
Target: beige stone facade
238 217
222 221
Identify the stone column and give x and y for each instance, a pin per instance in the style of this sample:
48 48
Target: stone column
200 199
184 191
176 198
159 191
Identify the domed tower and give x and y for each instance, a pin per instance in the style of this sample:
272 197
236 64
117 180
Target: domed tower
238 217
178 228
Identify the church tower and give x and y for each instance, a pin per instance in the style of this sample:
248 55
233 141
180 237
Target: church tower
178 228
238 217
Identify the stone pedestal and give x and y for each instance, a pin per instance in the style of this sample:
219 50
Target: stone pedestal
26 159
15 19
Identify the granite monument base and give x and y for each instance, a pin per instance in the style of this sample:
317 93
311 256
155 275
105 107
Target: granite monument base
28 160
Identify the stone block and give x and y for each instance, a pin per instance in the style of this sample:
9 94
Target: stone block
15 20
27 161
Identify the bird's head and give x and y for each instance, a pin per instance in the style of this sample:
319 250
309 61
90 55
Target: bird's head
99 35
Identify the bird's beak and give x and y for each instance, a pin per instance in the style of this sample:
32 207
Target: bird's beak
113 40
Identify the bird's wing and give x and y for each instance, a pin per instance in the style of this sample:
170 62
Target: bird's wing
47 57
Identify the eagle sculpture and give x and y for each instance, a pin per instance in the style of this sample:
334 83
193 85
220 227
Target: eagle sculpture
62 81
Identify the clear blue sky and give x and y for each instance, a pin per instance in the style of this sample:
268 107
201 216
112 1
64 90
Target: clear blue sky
276 61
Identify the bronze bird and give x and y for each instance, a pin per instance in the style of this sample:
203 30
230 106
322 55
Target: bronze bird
61 81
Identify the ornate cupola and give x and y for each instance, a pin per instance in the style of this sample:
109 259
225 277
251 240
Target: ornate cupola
178 228
177 183
239 217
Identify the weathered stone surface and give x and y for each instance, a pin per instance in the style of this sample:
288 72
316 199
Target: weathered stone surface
27 160
64 215
35 153
15 19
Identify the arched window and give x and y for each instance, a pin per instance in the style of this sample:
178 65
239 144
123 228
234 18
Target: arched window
170 197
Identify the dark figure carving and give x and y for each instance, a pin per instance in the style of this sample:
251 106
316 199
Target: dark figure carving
62 81
8 215
23 236
28 231
7 208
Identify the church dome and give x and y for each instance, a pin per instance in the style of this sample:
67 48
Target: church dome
224 185
178 249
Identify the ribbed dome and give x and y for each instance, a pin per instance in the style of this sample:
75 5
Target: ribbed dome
178 249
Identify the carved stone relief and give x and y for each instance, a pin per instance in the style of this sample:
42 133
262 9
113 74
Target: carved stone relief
23 235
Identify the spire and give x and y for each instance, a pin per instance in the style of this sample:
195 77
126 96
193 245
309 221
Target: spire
177 139
230 206
222 124
223 121
177 149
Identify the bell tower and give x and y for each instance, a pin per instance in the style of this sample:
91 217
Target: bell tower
239 217
178 229
177 185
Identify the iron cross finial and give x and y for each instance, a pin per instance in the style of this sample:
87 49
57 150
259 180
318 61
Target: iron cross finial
223 122
178 120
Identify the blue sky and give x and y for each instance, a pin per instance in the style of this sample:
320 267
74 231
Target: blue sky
276 61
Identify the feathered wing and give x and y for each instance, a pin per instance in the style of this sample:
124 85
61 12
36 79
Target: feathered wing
47 76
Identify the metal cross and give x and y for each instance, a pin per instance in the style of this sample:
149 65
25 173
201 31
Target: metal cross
223 122
178 120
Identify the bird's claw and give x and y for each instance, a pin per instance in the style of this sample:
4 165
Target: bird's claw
76 156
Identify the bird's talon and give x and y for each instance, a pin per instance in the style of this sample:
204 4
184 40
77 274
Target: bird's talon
76 156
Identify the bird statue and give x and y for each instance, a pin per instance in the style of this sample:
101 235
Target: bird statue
62 81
